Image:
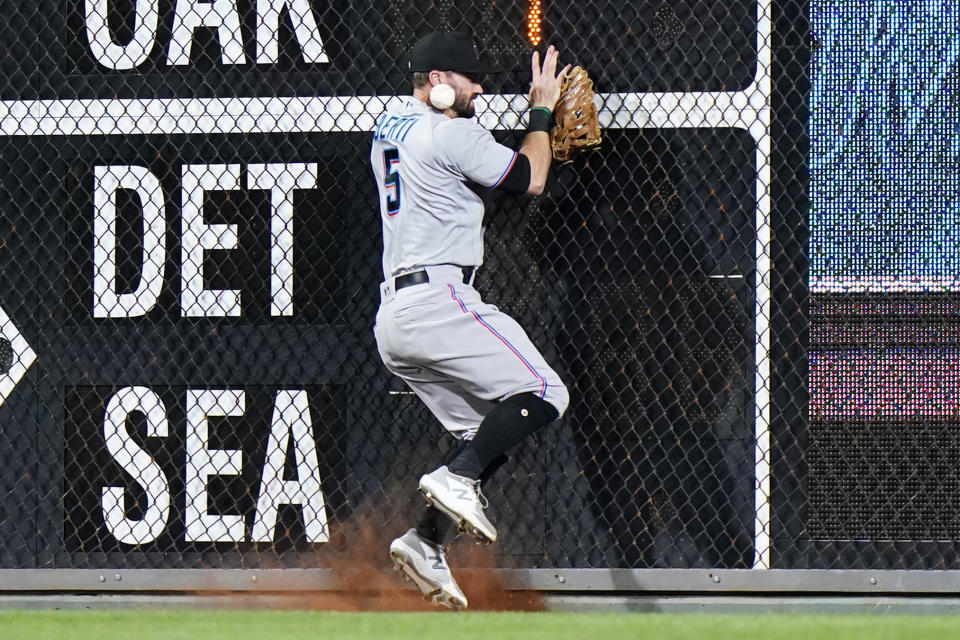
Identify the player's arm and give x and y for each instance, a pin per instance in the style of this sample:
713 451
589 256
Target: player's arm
544 93
473 151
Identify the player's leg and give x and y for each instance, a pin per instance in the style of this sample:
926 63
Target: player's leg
502 364
425 564
471 359
455 488
507 425
458 411
419 553
435 525
496 362
451 334
458 499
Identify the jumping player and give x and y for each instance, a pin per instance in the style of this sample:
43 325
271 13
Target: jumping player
472 366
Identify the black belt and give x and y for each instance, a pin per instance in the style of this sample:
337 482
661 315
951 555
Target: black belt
420 277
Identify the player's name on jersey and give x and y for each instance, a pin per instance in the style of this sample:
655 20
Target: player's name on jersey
196 236
191 15
394 127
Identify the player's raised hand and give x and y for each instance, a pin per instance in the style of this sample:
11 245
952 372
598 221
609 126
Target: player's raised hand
545 86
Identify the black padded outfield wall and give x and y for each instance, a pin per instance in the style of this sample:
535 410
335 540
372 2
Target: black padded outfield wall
191 251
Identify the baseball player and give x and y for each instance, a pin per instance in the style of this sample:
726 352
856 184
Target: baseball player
472 366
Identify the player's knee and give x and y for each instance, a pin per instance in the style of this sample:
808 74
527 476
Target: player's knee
537 412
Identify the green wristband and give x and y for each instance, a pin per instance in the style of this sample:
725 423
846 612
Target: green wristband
539 119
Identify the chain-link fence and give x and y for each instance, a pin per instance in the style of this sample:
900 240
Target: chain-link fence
192 259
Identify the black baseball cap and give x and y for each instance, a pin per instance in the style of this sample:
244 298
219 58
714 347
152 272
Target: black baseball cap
448 51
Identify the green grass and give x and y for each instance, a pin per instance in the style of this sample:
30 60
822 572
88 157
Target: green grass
301 625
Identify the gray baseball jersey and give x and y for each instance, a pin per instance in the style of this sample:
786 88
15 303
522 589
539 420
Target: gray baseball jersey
422 161
457 353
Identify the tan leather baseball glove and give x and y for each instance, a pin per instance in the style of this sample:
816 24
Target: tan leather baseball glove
576 126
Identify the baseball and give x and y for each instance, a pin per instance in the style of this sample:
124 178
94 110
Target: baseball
442 96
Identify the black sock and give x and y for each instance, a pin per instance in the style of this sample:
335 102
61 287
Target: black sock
434 525
504 427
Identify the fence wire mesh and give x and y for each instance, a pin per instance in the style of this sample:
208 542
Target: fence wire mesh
192 251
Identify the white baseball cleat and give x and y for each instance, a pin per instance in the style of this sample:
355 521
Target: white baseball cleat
459 498
426 565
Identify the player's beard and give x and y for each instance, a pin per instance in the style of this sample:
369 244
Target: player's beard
463 106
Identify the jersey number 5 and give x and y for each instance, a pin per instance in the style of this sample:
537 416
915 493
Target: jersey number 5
391 179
